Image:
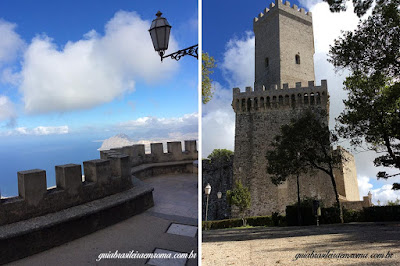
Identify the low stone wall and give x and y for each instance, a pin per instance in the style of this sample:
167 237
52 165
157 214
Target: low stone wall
358 205
25 238
102 178
41 218
138 156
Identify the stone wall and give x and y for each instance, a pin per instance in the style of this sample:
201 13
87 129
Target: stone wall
358 205
346 176
259 117
138 156
219 174
283 32
103 177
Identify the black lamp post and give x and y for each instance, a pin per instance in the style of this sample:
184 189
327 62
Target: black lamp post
159 32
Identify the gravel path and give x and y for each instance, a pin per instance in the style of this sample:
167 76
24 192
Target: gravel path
280 246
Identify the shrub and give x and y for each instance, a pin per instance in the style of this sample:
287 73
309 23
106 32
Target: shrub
251 221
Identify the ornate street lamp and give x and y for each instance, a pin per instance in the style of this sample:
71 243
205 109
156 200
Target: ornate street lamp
207 191
159 32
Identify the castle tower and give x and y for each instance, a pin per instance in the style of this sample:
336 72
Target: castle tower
284 88
284 46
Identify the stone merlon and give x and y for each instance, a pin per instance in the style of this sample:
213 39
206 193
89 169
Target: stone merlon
283 7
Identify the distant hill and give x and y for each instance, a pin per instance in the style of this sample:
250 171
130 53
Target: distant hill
116 141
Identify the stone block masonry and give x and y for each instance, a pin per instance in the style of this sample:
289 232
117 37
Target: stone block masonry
259 117
106 176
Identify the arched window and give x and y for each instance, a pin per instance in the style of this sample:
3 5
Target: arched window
293 100
287 99
297 57
249 104
262 103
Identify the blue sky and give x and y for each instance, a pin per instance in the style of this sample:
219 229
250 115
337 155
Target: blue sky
228 37
89 68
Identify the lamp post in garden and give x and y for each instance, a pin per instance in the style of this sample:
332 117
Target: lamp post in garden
159 32
219 196
207 191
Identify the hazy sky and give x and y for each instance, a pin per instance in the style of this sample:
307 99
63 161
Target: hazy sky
228 36
89 67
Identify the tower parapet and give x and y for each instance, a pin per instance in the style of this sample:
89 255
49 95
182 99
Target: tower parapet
111 174
284 46
285 7
276 97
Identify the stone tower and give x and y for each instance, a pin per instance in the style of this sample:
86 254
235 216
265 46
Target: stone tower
284 46
284 88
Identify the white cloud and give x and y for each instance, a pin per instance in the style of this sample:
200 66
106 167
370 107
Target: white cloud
7 109
238 63
383 194
91 71
155 128
218 122
10 42
39 131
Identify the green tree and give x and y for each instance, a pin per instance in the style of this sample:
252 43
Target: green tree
304 146
393 203
208 63
372 110
239 197
360 6
220 155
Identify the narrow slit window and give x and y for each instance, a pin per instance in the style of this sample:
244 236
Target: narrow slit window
297 59
266 62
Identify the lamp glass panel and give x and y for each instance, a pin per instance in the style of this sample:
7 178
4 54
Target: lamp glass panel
154 39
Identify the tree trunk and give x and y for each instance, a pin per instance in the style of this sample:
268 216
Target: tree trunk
298 202
336 195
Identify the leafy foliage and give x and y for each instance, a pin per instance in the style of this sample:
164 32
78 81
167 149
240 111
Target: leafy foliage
393 203
208 63
360 6
220 155
372 113
373 48
304 145
239 197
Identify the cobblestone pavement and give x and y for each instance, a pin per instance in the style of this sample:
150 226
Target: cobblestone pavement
280 246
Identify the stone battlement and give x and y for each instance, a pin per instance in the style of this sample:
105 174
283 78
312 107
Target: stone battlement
138 156
280 97
285 7
108 175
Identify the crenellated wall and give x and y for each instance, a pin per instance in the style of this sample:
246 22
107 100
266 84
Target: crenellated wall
293 9
259 117
276 97
138 156
103 177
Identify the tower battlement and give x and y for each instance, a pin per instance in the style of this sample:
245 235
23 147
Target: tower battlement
285 7
280 97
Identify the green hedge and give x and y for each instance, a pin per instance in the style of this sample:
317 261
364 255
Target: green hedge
331 215
381 213
328 216
274 220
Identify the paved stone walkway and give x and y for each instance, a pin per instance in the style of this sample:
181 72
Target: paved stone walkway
279 246
175 198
